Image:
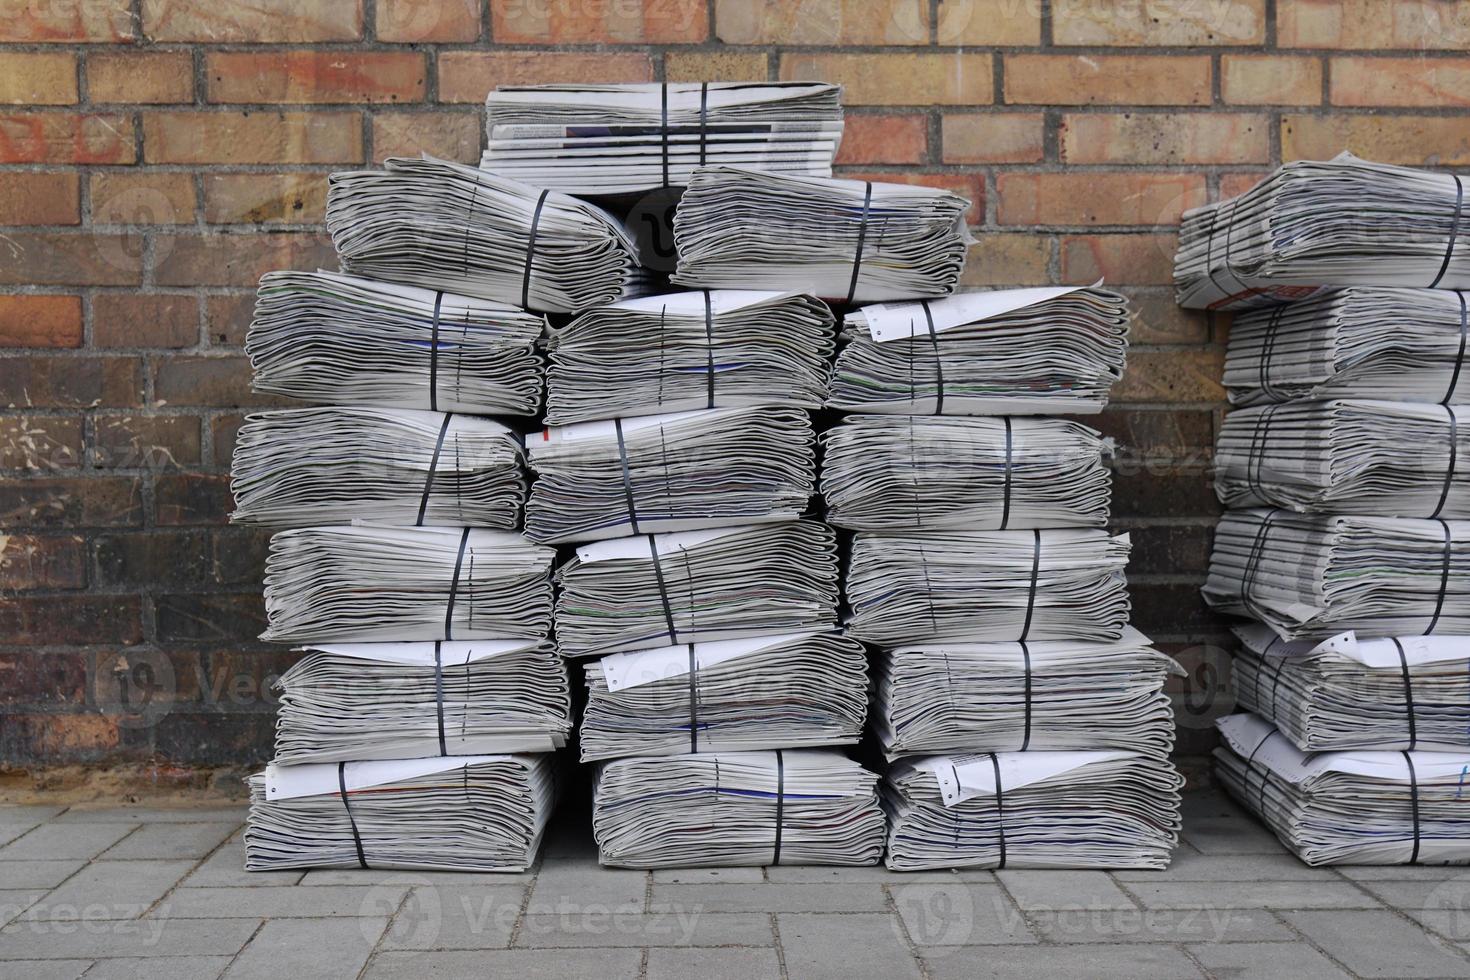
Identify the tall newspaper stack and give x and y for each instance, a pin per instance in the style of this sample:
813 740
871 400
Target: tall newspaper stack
1347 543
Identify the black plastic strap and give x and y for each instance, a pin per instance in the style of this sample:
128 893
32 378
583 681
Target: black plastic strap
1413 806
693 701
1255 460
433 464
857 258
1268 347
1035 572
1253 565
351 820
531 248
627 477
928 586
1026 737
1250 767
780 805
709 347
938 361
1444 577
1449 472
434 353
703 117
1408 692
439 691
663 592
1449 251
1005 504
1449 395
664 131
464 539
1000 811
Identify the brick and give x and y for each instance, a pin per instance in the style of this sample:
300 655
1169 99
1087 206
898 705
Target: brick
71 382
1158 433
899 79
1157 319
599 22
1131 259
1096 198
68 502
140 77
209 618
1234 185
144 320
57 259
1400 82
1162 489
71 619
884 140
1172 609
1270 79
244 137
39 199
224 429
1158 25
1404 24
421 21
212 382
238 555
56 137
297 77
142 198
38 78
40 321
294 198
466 76
34 561
227 318
37 679
1008 260
1412 140
715 66
1165 138
825 22
259 22
1179 548
446 135
995 137
1107 79
220 259
63 23
39 442
152 558
146 441
192 498
969 186
1007 22
1173 376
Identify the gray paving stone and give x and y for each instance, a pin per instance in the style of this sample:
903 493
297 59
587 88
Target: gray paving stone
160 968
818 875
522 964
576 886
456 917
1449 893
959 914
307 948
171 840
864 946
225 868
1399 872
130 938
50 842
15 901
85 813
1379 944
384 876
43 969
713 964
38 874
125 889
281 902
729 897
1452 923
1231 835
33 813
1267 961
1158 925
10 831
1046 890
1252 895
669 927
1156 962
1193 866
703 876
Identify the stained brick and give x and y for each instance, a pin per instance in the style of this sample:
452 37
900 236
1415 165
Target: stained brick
140 77
61 23
36 679
1183 548
581 22
1152 25
142 198
209 618
212 382
446 135
40 442
1008 260
192 498
38 78
40 321
236 260
898 79
153 558
1131 259
238 555
295 198
1170 609
244 137
1412 140
315 76
884 139
1157 319
58 259
67 502
145 320
1405 24
421 21
823 22
60 137
71 619
71 382
1005 22
1165 138
466 76
1160 488
1400 82
1107 79
1158 433
1096 198
224 429
1269 79
994 137
146 441
1182 375
259 22
43 561
715 66
227 318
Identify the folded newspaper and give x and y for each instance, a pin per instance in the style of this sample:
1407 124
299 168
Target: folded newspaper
467 813
352 701
297 467
844 240
718 348
1107 809
441 225
611 139
1354 807
737 809
677 472
326 337
1047 350
883 472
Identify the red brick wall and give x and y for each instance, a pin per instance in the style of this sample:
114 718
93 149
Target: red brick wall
156 157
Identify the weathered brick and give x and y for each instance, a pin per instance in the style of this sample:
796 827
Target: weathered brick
40 321
40 442
446 135
213 382
822 22
238 555
100 21
1096 198
969 186
1008 260
466 76
58 259
148 197
244 137
1165 138
315 76
898 79
215 737
209 618
884 140
1129 259
998 22
1158 433
1160 488
1270 79
1413 140
994 137
36 679
140 77
1181 375
715 66
1234 185
145 441
145 320
1170 609
1157 319
599 22
192 498
38 78
1147 24
421 21
67 502
220 259
152 558
1182 548
29 198
295 198
259 22
224 429
59 137
41 381
1400 82
43 561
1406 24
227 318
1107 79
71 619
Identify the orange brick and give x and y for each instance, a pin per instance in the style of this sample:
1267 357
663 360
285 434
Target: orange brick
994 137
257 22
1159 25
1116 79
54 137
142 198
315 76
145 320
884 139
1411 140
1403 24
990 22
40 321
1234 185
1269 79
715 66
1165 137
599 21
39 199
1096 198
1131 259
969 186
27 22
419 21
899 79
152 77
468 76
215 259
446 135
257 198
252 137
82 258
822 22
1013 259
44 78
1400 81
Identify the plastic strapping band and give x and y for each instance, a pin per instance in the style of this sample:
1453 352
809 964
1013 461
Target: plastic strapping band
627 477
531 249
1005 505
693 701
1026 738
1253 564
664 131
433 464
1413 806
1408 693
1449 472
434 353
1035 571
1268 347
1449 251
780 805
1255 460
439 690
709 347
464 539
1444 577
703 117
1250 767
1000 811
351 821
1449 395
663 592
938 361
857 258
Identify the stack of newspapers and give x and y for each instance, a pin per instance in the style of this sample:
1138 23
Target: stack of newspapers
1348 539
1025 722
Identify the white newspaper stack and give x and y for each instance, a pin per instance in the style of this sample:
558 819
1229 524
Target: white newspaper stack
610 139
445 226
845 240
732 809
717 348
326 337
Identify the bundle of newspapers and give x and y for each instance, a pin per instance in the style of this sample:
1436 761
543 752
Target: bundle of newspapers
733 809
1339 222
610 139
1356 342
465 813
1043 351
1309 577
683 351
845 240
445 226
1348 692
694 586
1103 809
795 690
310 466
1351 807
1054 584
405 583
938 696
677 472
326 337
348 701
1395 459
884 472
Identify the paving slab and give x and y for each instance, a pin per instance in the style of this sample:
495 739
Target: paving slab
225 868
96 813
1049 890
456 917
1194 866
959 914
121 889
1252 895
38 874
308 948
43 969
1050 962
730 897
521 964
54 841
161 968
827 946
1379 944
713 964
281 902
170 840
1267 961
1158 925
668 927
148 937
